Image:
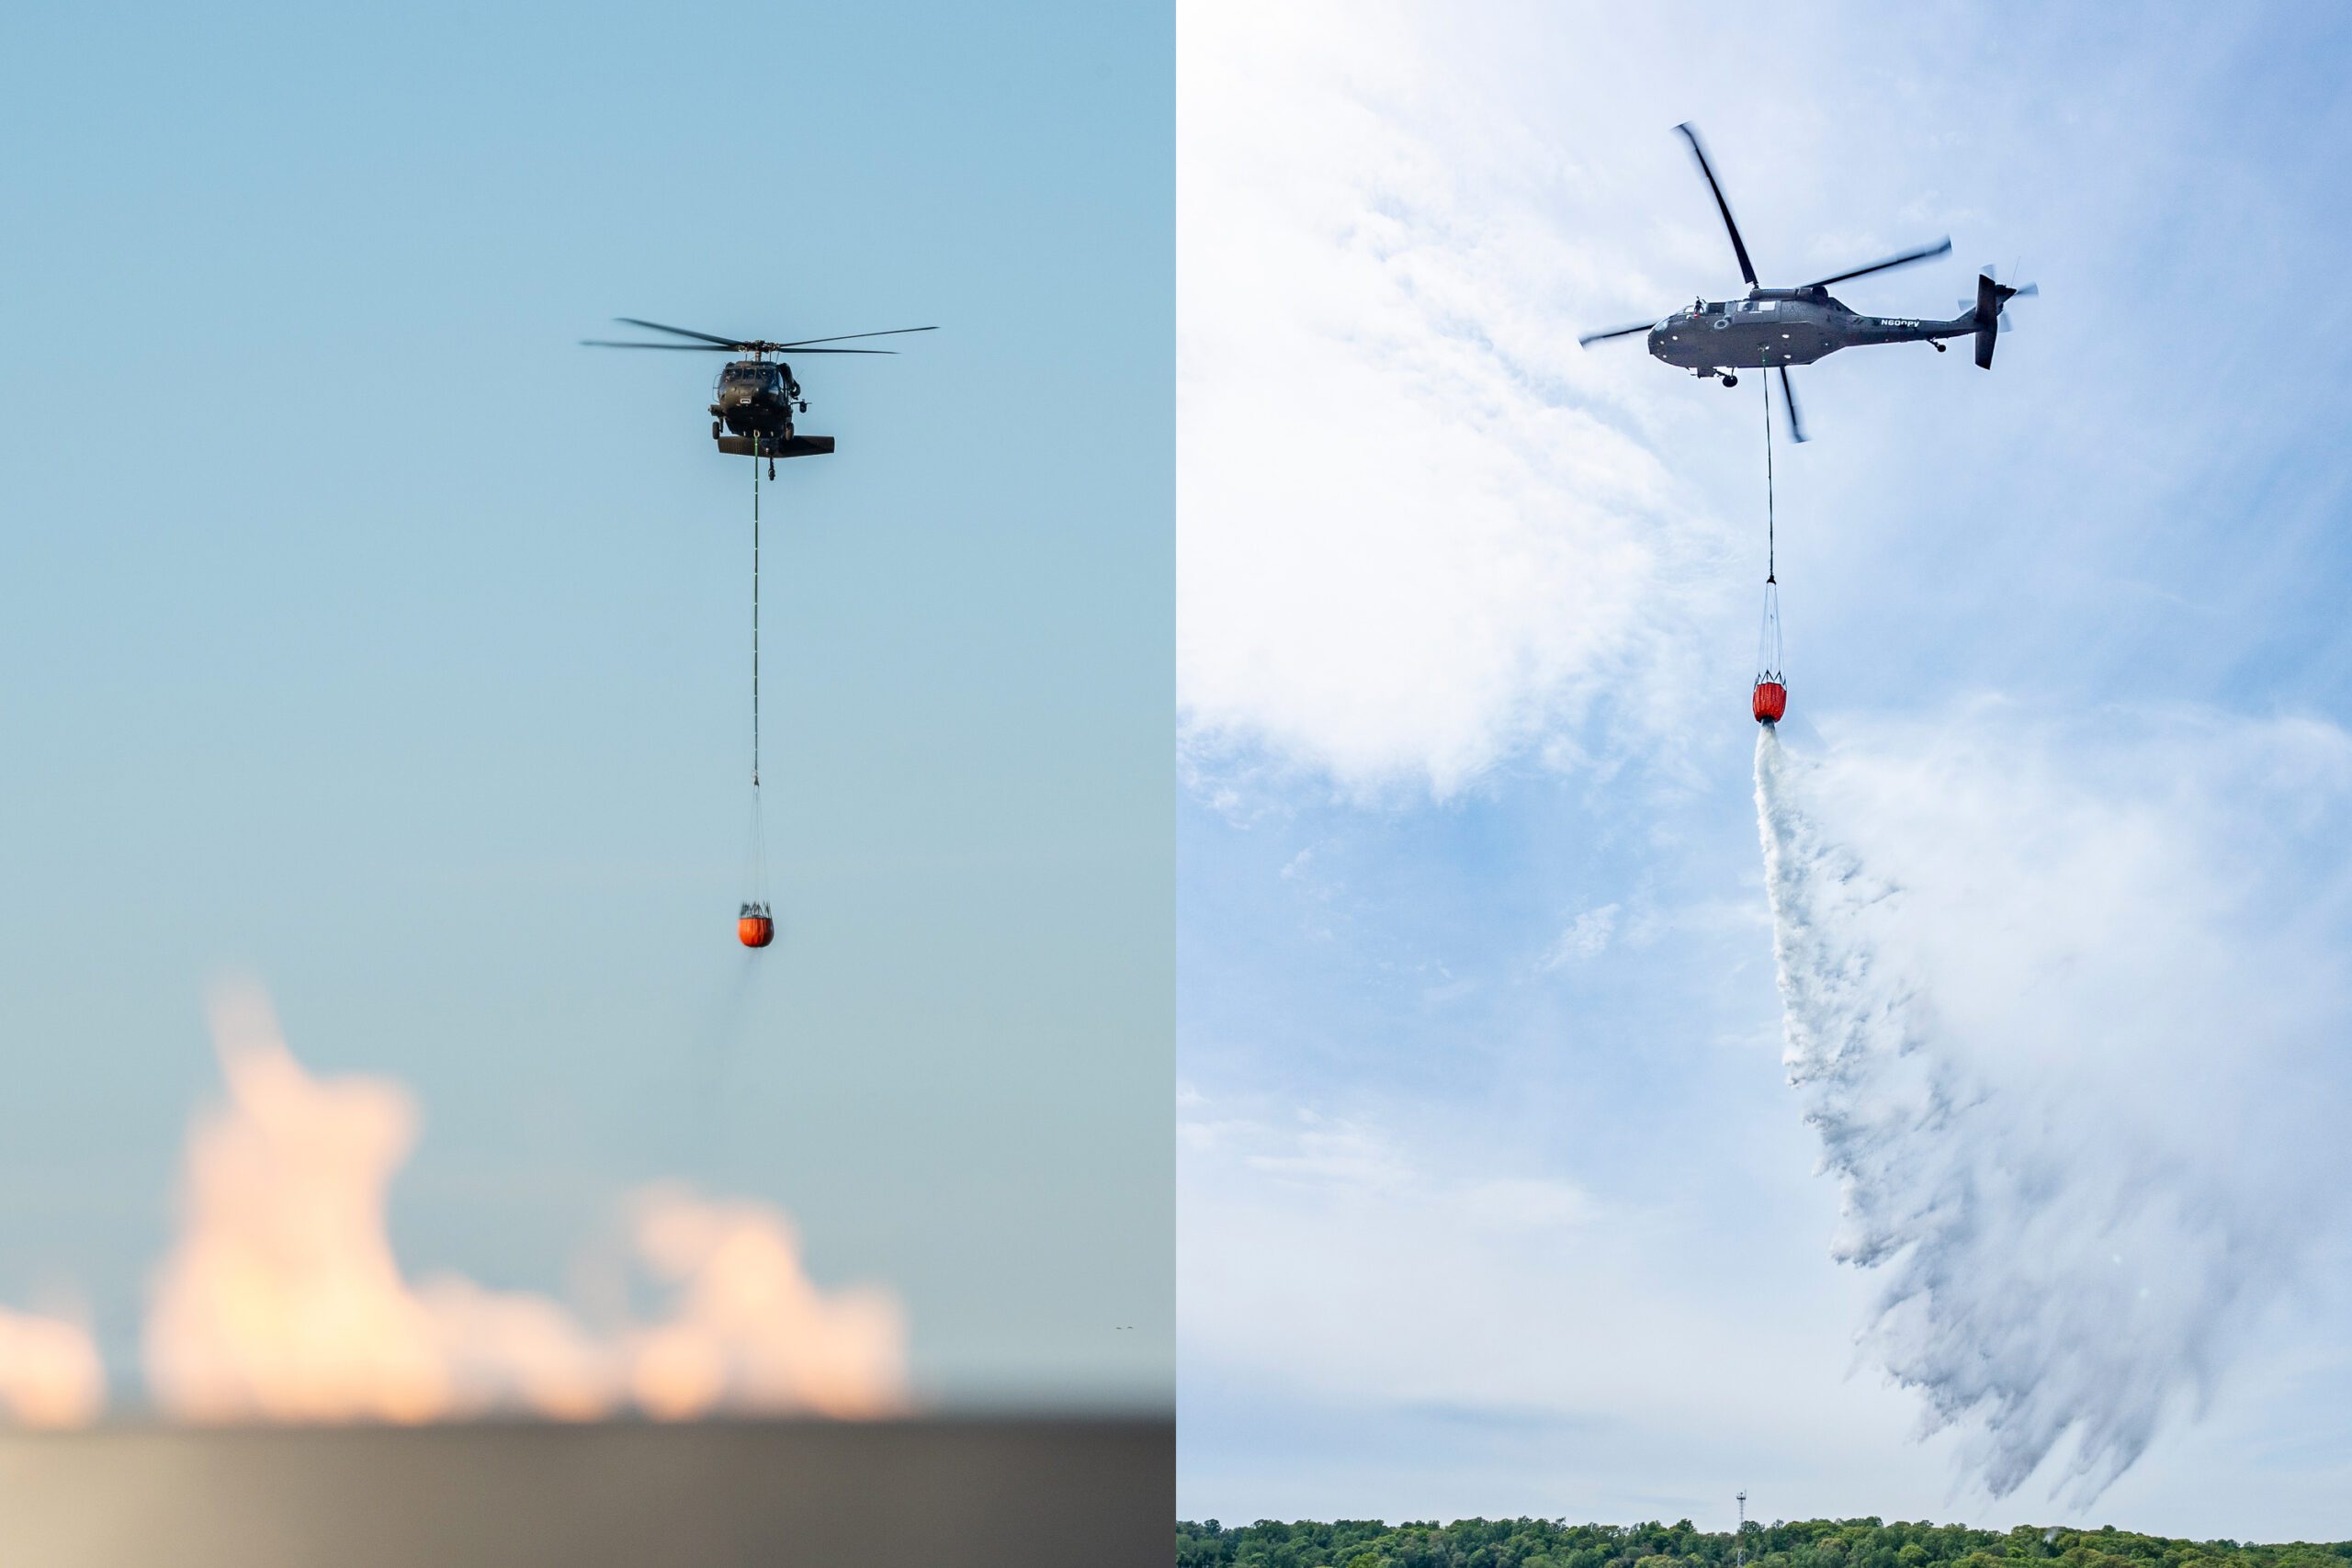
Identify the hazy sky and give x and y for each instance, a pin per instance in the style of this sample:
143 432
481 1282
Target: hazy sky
365 637
1494 1197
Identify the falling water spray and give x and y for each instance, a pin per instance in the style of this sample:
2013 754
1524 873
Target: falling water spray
2064 1267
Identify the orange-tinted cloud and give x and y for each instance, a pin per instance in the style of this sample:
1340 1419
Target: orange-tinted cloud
50 1372
750 1331
282 1300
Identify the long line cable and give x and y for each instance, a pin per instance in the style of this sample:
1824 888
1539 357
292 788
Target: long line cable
759 845
755 612
1767 642
1770 567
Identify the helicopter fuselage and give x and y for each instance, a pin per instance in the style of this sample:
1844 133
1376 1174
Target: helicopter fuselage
751 408
753 401
756 397
1781 326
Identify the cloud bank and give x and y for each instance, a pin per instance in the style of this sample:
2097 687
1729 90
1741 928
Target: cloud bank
282 1300
2058 1006
1408 551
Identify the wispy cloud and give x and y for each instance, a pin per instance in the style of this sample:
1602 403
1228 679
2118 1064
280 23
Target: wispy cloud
1588 936
1409 550
1347 1261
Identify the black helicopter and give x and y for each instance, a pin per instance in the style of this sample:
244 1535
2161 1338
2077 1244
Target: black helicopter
755 398
1775 327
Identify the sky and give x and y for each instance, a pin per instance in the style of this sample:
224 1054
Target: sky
1495 1195
372 645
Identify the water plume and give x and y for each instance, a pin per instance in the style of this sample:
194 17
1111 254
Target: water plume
2031 996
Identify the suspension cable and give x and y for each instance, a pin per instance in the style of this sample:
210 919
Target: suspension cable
755 612
1770 565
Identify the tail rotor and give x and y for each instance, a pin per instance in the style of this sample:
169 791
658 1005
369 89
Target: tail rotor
1991 309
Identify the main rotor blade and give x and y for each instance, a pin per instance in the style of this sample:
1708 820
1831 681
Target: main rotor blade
1789 399
1926 252
894 332
1740 248
681 331
1590 338
724 347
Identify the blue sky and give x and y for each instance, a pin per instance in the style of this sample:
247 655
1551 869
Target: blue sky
368 637
1493 1197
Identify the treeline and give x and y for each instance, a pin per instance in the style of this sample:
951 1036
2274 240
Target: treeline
1803 1544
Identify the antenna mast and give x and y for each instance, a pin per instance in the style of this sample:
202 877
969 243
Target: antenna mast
1739 1537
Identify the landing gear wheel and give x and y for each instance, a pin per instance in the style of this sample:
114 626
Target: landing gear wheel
771 468
714 430
1730 379
1934 344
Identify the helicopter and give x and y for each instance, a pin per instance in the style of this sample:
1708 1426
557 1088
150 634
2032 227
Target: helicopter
1773 329
755 399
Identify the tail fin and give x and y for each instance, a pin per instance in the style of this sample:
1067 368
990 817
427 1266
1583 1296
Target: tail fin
1990 298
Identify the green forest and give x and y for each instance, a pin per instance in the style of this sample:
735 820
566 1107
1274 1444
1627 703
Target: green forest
1806 1543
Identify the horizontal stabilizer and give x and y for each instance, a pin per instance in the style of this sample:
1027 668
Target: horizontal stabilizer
775 447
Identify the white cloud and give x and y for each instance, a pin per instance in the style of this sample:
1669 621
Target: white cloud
1393 219
1345 1261
1407 551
